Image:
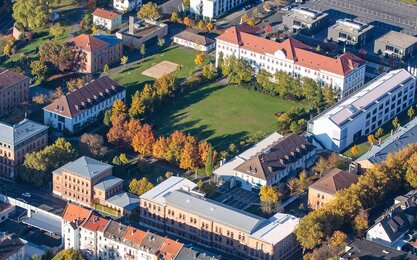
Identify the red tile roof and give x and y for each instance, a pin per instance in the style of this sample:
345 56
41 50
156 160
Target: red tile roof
294 50
87 43
105 14
134 236
335 180
170 248
96 223
74 212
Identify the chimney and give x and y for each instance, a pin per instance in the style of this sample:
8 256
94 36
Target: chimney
131 23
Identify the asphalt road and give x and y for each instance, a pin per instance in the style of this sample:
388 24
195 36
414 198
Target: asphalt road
6 22
39 198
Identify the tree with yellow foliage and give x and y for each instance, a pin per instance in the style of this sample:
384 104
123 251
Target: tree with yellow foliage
199 59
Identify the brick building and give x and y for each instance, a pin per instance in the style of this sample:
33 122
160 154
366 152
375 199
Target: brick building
14 90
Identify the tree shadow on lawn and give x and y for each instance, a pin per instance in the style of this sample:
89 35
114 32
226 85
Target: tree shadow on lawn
222 142
132 87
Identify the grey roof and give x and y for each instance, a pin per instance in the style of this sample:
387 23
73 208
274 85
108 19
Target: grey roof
107 183
9 245
395 224
364 249
404 136
124 200
351 27
187 253
152 243
20 132
44 222
85 166
306 15
397 39
215 211
115 231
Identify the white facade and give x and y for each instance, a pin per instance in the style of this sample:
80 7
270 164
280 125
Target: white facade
212 8
364 112
71 124
109 24
127 5
194 45
272 56
70 235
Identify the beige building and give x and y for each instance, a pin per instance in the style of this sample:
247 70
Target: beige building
172 207
99 49
324 190
16 141
14 90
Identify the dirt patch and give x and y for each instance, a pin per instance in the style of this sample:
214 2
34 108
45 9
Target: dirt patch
160 69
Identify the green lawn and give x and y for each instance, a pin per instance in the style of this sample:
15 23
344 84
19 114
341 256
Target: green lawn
132 78
221 114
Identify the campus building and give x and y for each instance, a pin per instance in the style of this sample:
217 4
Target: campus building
192 39
349 32
84 106
324 190
396 44
210 9
101 238
351 119
345 73
127 5
172 207
16 141
14 90
304 20
106 19
273 160
99 51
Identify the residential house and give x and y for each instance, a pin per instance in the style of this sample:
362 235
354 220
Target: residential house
324 190
396 44
210 9
350 33
178 211
6 210
193 40
11 247
106 19
127 5
14 90
16 141
365 249
305 20
345 73
349 120
84 106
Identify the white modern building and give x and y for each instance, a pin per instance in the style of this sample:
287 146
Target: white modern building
361 114
127 5
83 106
210 9
106 19
271 161
345 73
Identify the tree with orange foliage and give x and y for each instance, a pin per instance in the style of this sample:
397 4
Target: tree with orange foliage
118 108
116 134
176 143
199 58
143 141
209 26
159 147
131 129
203 150
189 156
187 21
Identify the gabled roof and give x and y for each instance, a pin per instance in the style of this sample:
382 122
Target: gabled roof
74 212
96 223
277 157
108 183
87 43
109 15
86 167
395 224
192 36
115 231
124 200
9 78
335 180
170 248
133 237
151 243
293 49
9 245
15 134
83 99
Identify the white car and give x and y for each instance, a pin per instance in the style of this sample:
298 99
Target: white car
26 194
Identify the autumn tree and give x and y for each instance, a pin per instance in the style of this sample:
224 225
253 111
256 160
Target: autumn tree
395 123
31 13
371 140
255 12
75 84
411 173
209 26
141 186
118 108
199 58
269 197
189 156
93 145
360 223
106 68
159 147
56 30
378 134
123 60
137 108
354 150
69 254
174 17
149 11
411 112
251 22
201 25
143 141
266 6
63 56
244 18
116 134
187 21
123 158
176 143
39 69
40 99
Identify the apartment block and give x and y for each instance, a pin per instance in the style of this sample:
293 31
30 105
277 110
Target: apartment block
305 20
351 119
396 44
16 141
14 90
99 51
345 73
84 106
101 238
127 5
210 9
349 32
172 207
106 19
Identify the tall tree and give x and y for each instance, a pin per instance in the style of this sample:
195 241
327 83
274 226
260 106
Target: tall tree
64 56
149 11
176 143
360 222
269 197
411 112
118 108
199 58
189 155
56 30
31 13
93 145
137 108
209 162
141 186
159 147
395 123
143 141
143 50
69 254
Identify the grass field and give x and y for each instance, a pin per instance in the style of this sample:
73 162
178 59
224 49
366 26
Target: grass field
132 79
221 114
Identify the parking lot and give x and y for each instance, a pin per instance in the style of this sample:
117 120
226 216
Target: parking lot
237 197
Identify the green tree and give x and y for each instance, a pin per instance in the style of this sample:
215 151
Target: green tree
141 186
149 11
395 123
39 69
209 71
186 4
123 158
411 112
56 30
69 254
199 185
106 68
161 42
86 23
107 117
137 107
269 197
378 134
237 71
143 50
209 164
31 13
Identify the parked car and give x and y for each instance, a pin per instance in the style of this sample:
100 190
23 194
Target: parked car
26 194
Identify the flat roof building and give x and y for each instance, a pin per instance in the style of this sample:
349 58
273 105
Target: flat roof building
349 120
349 32
305 20
396 44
